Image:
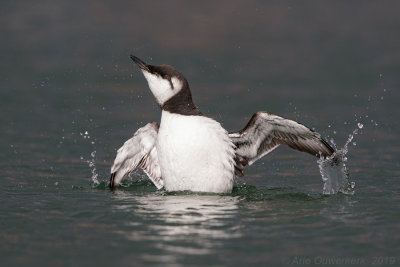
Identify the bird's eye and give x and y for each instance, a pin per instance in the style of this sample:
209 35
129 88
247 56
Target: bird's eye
166 76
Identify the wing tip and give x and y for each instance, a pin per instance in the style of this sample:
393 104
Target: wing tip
330 149
112 184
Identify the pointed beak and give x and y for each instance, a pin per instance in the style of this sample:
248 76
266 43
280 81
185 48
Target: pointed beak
140 63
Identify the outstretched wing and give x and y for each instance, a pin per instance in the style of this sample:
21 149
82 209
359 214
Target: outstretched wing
138 152
266 131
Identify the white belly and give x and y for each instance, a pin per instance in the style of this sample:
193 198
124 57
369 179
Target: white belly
195 153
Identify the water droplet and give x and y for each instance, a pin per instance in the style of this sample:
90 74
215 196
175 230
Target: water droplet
86 132
354 143
360 125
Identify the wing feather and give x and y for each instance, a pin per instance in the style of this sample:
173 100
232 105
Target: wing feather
265 132
138 152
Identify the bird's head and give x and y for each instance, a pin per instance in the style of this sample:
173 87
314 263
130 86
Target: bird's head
164 81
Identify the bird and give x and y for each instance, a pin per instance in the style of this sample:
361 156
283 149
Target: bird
188 151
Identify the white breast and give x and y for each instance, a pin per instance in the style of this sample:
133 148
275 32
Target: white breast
195 153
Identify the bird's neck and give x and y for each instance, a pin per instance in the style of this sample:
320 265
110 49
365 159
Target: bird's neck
182 103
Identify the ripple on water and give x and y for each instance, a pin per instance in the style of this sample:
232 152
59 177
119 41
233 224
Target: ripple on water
253 193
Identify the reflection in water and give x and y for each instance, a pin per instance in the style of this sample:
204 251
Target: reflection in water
184 224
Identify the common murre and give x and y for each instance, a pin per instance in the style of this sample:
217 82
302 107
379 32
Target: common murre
189 151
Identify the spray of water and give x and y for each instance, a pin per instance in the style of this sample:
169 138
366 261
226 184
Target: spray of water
333 169
92 166
92 161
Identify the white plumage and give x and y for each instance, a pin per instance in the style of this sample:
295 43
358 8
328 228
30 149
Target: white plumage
195 153
161 88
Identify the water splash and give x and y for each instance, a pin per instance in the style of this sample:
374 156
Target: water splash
92 166
92 161
334 171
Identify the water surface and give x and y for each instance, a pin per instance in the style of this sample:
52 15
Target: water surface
70 97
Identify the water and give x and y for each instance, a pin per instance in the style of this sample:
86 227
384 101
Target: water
335 175
333 169
70 97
